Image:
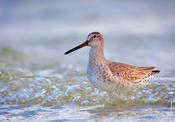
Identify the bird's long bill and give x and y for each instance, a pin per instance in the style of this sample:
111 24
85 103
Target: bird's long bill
77 47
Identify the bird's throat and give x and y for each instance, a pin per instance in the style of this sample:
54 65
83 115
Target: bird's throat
96 54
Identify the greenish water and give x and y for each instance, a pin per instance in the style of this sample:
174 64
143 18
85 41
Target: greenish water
40 87
39 83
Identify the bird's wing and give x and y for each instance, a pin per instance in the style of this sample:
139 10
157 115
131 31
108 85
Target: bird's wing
129 72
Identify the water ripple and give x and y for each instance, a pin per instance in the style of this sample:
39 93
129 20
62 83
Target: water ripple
62 85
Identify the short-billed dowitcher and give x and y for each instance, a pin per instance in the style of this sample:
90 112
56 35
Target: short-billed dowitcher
109 75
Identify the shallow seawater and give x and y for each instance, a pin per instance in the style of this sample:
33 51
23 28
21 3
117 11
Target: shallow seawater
39 83
35 86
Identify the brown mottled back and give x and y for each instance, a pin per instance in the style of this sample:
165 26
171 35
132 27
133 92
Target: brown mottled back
129 72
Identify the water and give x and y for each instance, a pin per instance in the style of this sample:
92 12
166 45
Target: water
37 82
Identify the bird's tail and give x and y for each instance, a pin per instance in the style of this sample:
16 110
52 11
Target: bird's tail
155 72
150 76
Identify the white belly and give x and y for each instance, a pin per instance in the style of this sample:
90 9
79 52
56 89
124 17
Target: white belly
98 81
97 70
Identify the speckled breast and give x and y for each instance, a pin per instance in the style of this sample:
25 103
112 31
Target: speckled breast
99 78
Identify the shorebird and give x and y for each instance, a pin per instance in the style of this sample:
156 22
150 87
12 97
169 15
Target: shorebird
108 75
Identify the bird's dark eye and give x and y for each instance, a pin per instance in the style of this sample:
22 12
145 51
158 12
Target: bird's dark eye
94 36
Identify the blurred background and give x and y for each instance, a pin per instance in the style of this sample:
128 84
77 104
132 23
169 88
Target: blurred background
50 28
34 35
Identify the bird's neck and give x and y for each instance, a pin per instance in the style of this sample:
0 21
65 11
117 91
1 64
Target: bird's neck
96 54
